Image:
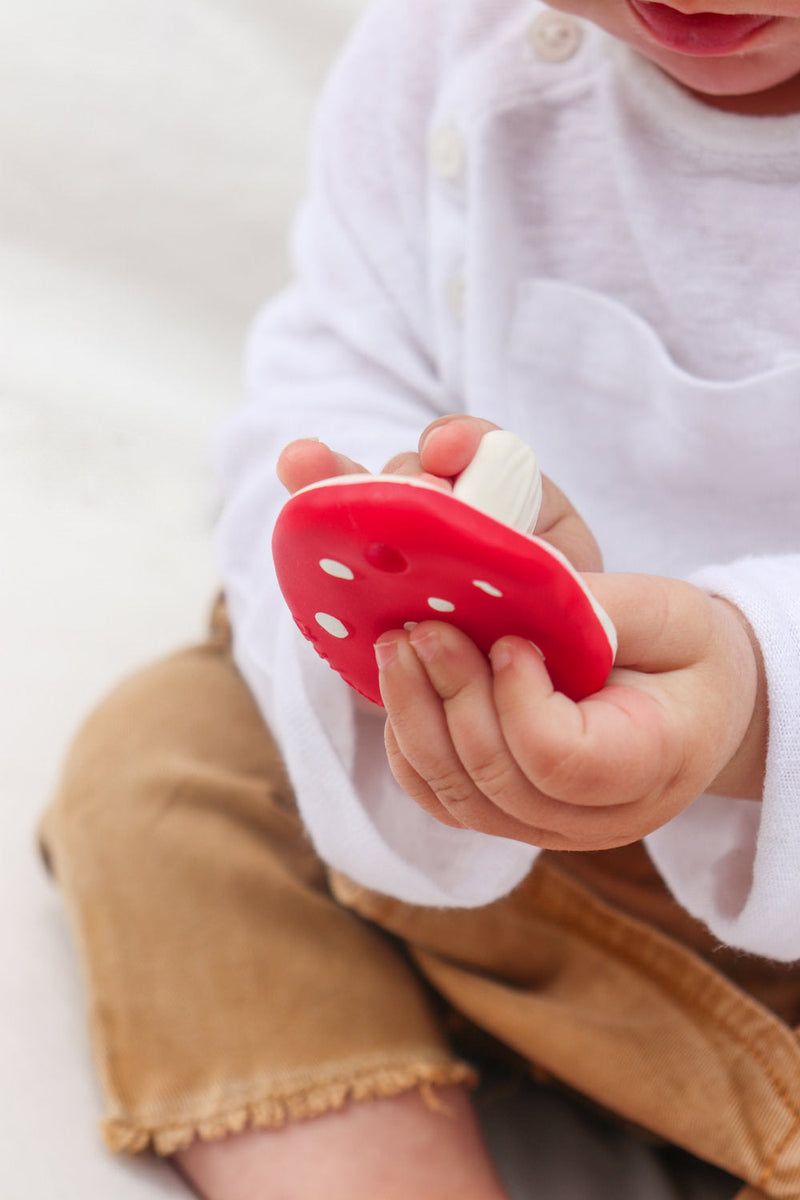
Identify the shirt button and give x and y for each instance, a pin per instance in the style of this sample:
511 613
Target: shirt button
554 36
457 296
448 156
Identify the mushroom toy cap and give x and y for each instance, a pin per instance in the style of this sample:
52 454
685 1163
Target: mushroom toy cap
359 555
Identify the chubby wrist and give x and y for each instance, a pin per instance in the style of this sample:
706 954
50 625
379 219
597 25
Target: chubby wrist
743 776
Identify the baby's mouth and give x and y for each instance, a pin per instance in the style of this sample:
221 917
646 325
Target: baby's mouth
704 35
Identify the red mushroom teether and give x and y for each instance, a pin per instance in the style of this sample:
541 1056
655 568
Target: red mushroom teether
361 554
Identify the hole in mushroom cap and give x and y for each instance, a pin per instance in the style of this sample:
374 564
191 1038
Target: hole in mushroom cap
385 558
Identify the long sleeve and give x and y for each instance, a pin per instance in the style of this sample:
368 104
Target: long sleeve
734 864
345 355
554 243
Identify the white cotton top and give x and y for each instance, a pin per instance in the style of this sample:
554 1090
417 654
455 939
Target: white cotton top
513 216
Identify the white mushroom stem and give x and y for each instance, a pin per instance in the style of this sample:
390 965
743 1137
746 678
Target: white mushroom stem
503 480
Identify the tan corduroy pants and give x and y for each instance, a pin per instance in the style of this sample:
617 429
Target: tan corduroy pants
232 980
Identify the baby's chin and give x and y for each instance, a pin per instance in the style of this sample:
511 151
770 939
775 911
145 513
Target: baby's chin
763 78
762 82
747 84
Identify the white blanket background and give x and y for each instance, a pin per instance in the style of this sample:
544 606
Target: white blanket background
151 153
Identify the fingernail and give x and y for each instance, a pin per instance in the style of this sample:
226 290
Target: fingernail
429 434
425 438
500 656
426 646
385 653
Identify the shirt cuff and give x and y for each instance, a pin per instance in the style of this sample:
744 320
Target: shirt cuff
733 864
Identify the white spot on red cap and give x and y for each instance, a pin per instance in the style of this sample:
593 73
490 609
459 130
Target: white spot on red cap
332 625
489 588
338 570
438 605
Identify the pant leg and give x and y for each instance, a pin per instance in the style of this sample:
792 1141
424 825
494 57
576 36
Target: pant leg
225 986
620 1013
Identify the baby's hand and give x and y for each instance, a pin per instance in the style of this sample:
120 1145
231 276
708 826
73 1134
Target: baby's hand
492 747
308 460
446 447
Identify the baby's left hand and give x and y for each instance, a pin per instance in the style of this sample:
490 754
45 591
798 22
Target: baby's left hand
492 747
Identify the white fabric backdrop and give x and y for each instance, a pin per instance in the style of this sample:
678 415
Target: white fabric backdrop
151 152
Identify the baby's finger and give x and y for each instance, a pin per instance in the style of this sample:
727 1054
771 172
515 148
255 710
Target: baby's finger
484 787
308 461
477 813
409 464
423 758
403 464
565 827
614 748
448 445
412 783
662 624
462 678
418 720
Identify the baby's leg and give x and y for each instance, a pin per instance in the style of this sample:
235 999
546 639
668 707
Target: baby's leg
226 987
394 1149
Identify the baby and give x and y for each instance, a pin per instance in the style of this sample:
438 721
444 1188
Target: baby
579 222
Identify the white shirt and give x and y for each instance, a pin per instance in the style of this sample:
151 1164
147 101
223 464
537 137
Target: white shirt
511 215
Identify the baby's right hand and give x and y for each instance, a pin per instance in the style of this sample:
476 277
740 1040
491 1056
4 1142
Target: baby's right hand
308 460
446 447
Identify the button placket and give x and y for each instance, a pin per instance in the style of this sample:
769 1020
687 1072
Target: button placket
447 154
448 162
555 37
456 291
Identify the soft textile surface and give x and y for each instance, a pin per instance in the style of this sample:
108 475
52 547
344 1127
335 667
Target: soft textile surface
150 154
